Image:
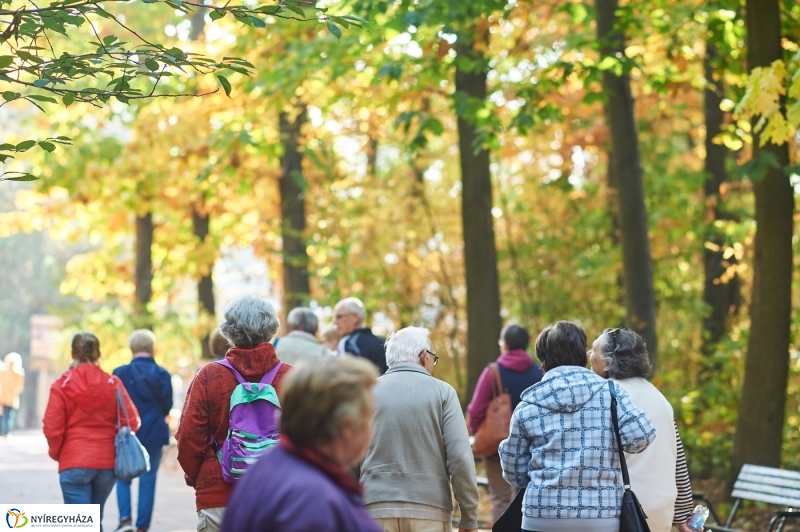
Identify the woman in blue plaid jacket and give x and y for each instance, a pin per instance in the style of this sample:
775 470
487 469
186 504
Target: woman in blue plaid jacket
561 448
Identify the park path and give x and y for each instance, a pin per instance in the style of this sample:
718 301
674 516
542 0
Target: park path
28 474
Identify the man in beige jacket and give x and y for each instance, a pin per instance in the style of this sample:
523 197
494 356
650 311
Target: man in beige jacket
420 447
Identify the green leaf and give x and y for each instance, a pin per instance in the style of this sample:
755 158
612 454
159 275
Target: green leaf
10 95
25 145
109 39
41 82
296 9
257 22
68 99
39 98
49 147
151 64
226 85
217 14
6 60
356 19
335 30
26 177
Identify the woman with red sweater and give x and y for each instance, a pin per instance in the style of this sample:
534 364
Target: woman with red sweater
80 424
249 325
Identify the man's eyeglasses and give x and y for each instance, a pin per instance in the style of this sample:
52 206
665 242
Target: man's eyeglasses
612 333
431 353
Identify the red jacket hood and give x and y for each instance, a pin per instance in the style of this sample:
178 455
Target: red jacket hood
89 387
253 362
516 360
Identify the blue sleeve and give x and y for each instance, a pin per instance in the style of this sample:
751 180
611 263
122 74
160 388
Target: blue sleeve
635 428
166 390
515 453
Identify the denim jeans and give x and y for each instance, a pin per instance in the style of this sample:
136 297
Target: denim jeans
8 418
147 493
87 486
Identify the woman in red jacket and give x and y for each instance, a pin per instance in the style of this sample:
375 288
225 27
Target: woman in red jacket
80 424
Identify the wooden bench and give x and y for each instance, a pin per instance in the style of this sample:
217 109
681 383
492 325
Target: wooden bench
763 484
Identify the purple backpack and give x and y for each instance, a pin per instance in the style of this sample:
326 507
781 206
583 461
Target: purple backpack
253 427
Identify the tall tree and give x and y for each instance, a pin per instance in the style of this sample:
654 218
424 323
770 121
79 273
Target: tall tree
144 269
201 223
721 291
296 291
759 429
480 254
640 301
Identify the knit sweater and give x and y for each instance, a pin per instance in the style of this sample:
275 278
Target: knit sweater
206 410
563 451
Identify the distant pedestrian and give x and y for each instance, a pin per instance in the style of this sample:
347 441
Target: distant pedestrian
249 325
12 383
517 372
330 339
305 484
356 339
421 445
150 388
301 343
217 345
562 448
80 424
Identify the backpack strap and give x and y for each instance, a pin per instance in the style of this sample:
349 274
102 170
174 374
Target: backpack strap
227 364
270 375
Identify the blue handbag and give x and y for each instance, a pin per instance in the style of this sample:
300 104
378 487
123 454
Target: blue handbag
132 459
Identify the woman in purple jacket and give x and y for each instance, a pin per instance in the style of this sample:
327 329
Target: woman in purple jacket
518 372
305 482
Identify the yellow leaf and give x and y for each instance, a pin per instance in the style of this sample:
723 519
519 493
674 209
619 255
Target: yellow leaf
777 130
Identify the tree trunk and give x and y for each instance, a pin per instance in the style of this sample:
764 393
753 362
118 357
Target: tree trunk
296 291
144 270
480 256
640 301
205 285
759 430
721 294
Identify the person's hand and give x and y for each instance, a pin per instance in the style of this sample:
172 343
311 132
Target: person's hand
683 527
473 530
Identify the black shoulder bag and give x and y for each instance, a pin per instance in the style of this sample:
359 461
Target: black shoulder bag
631 515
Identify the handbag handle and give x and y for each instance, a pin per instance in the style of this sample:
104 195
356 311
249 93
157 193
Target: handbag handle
626 481
497 381
121 404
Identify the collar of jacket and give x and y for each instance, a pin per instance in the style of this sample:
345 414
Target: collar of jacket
143 357
302 334
407 366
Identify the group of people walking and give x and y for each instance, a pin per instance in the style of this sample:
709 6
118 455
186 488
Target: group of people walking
287 436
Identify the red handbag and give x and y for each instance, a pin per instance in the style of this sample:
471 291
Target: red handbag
495 425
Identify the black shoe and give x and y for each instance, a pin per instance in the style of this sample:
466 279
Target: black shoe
125 525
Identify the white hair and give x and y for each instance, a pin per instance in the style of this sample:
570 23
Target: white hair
13 359
352 304
249 321
302 319
405 345
142 341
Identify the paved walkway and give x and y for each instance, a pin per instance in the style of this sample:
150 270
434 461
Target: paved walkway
27 474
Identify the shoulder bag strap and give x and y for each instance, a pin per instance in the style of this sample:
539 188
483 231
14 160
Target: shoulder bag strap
626 481
121 406
497 381
153 393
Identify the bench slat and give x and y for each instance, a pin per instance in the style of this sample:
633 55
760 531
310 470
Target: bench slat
792 495
762 497
770 471
769 481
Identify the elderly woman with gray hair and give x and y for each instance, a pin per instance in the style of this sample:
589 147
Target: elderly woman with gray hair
658 474
249 325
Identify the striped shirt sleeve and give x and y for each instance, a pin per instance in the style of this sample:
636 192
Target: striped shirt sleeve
683 504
